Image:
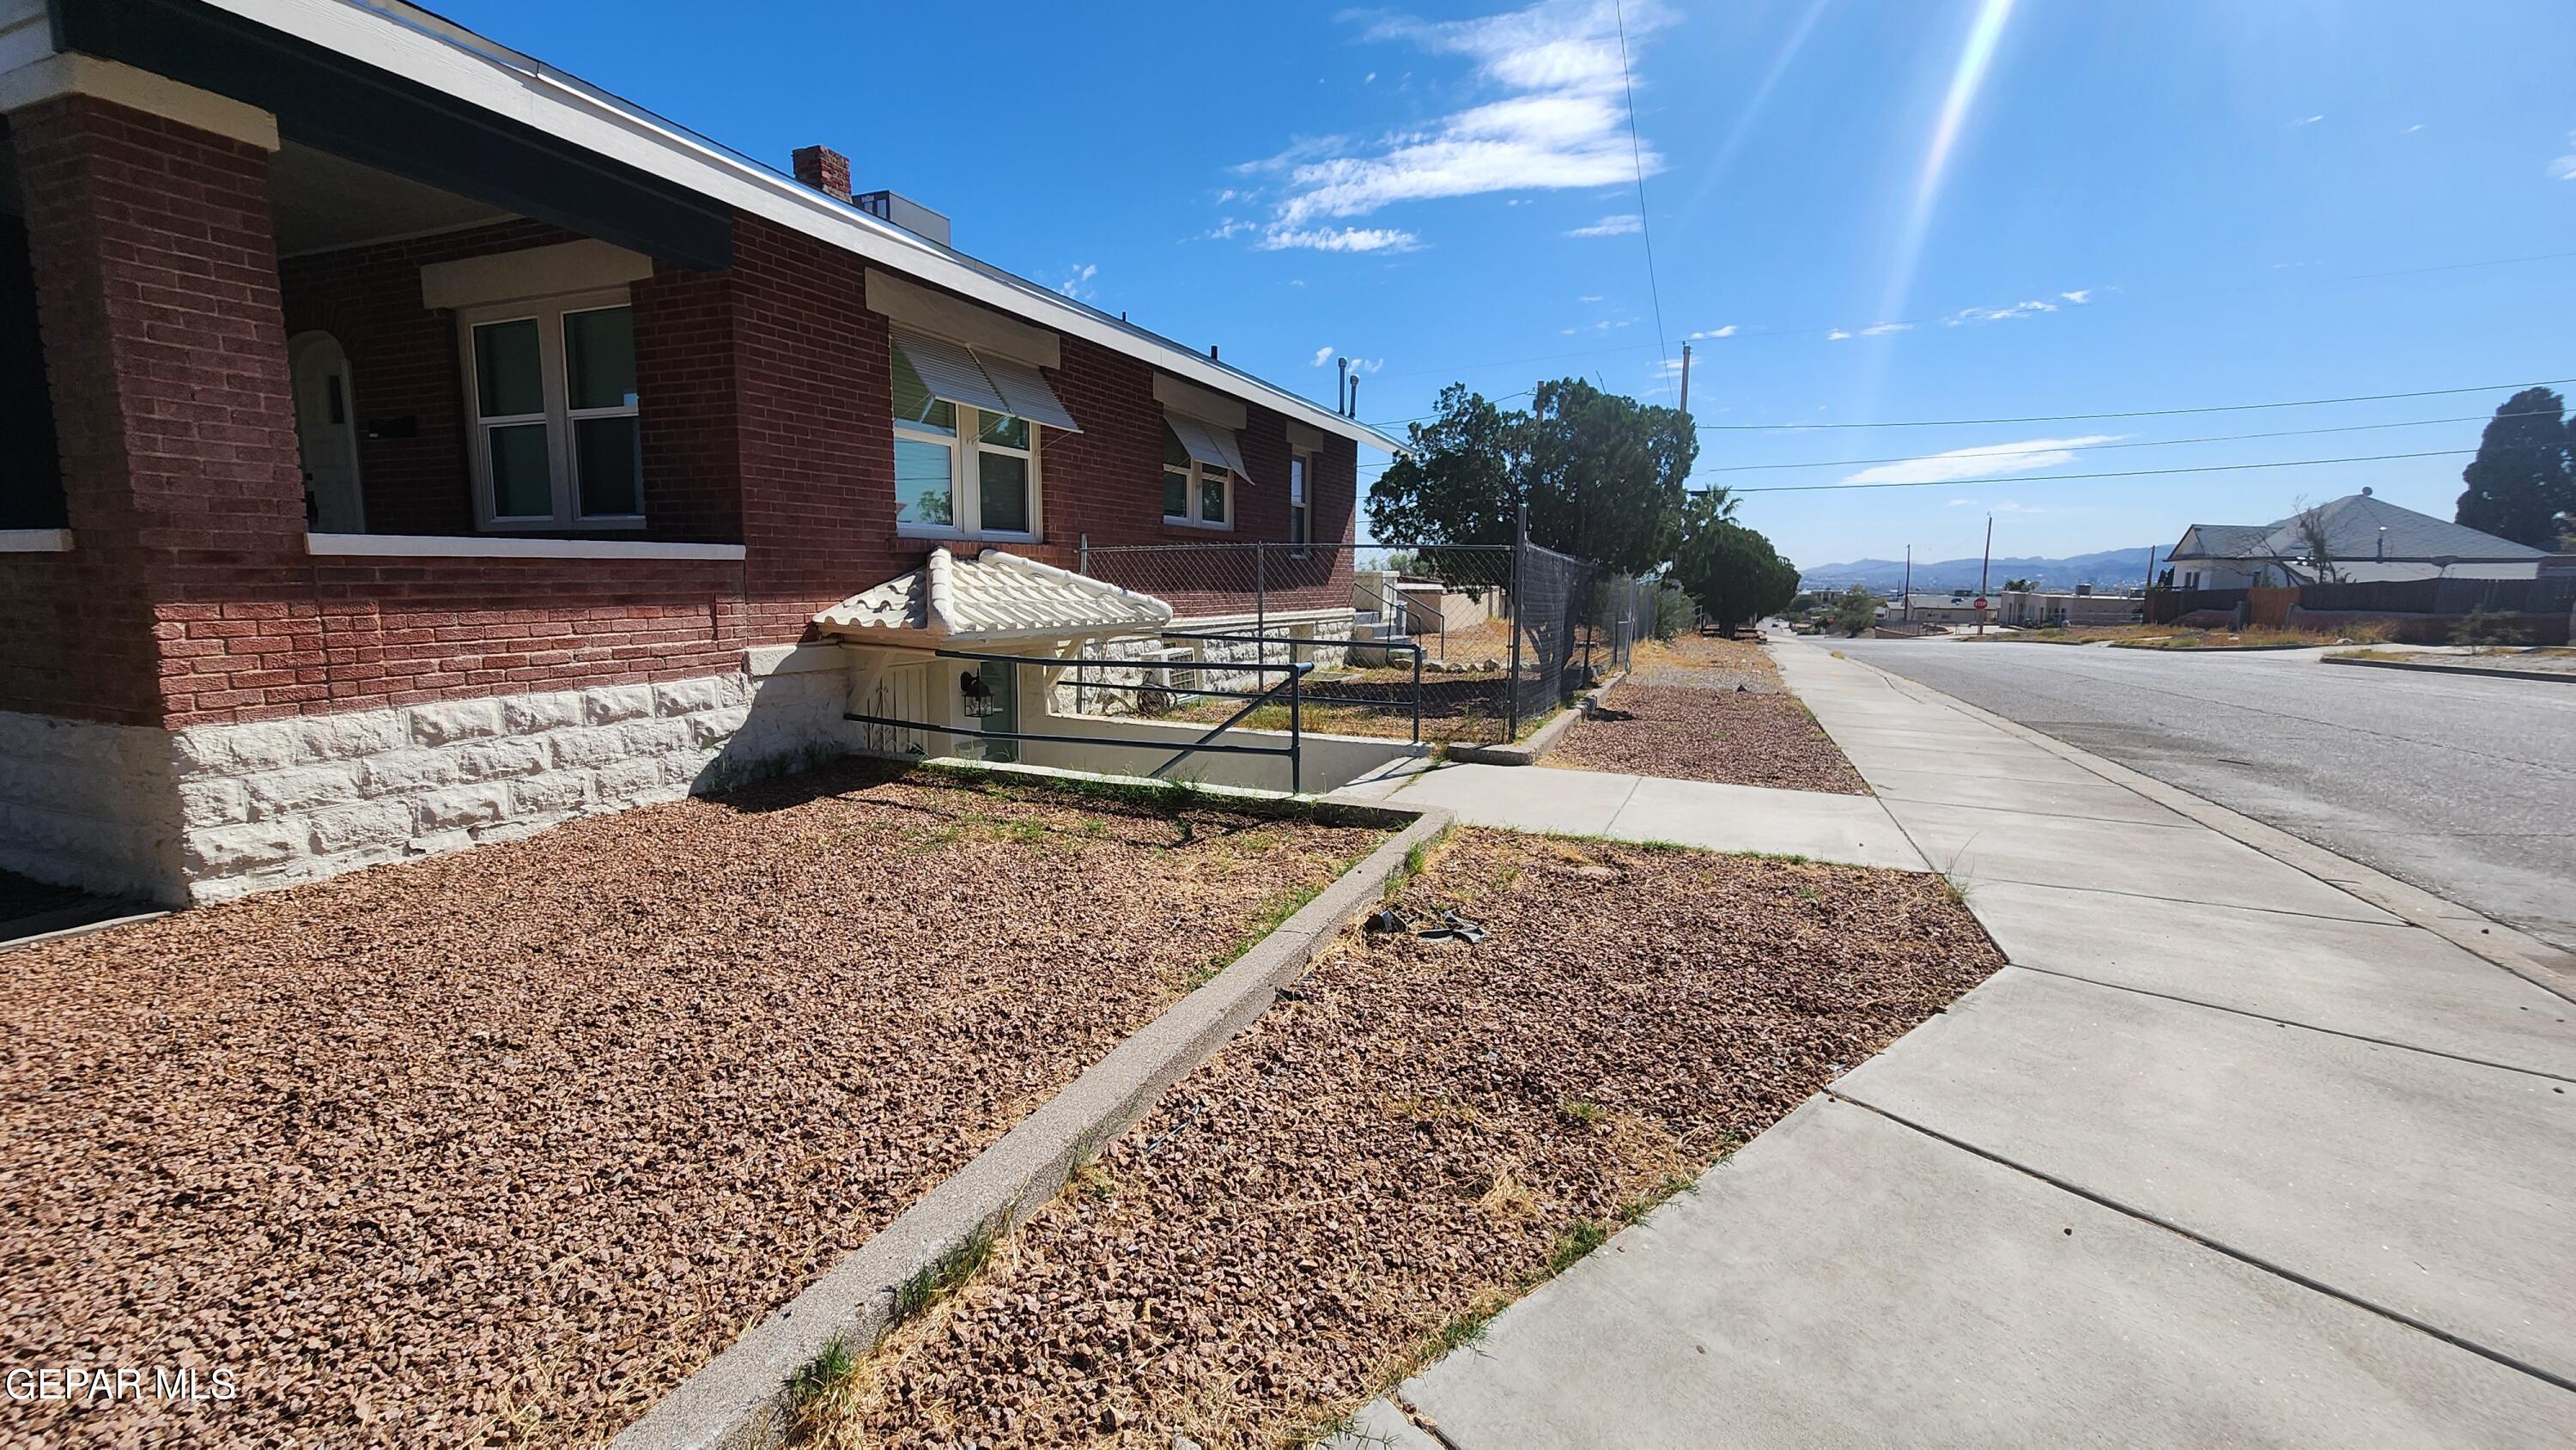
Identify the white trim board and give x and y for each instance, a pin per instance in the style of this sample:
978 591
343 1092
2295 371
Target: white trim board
440 546
411 44
35 541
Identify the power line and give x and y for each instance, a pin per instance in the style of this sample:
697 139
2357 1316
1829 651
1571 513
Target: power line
2135 413
1637 155
2048 478
2146 443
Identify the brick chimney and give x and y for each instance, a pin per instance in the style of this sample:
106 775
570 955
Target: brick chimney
825 170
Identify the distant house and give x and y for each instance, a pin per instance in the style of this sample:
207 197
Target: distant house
2368 539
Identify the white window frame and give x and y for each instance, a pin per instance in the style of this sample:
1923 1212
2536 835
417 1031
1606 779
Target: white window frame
1200 476
965 478
559 416
1301 502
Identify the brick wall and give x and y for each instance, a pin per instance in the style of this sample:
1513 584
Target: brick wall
156 281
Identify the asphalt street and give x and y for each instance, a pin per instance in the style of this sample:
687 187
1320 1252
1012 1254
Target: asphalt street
2464 787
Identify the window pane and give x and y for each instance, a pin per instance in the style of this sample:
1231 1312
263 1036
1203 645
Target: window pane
1004 429
1296 478
912 400
609 464
1297 524
523 484
599 357
921 483
509 369
1174 455
1005 482
1212 497
1176 495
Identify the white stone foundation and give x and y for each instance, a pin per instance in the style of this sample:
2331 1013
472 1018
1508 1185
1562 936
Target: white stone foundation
216 811
1159 662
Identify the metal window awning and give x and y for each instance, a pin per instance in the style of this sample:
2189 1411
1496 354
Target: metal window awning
996 384
1205 442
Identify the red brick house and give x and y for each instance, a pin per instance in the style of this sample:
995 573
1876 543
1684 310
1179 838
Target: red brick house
411 445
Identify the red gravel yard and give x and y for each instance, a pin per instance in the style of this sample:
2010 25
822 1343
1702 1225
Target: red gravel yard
494 1148
1707 709
1416 1135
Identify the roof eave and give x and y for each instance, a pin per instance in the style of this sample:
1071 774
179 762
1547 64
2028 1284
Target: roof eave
444 56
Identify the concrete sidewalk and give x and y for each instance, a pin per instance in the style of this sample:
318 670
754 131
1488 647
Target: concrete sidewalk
1853 830
2228 1155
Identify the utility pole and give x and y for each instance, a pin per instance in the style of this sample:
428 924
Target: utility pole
1985 566
1685 380
1905 610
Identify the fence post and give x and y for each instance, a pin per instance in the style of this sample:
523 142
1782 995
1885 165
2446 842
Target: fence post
1261 604
1520 612
1296 726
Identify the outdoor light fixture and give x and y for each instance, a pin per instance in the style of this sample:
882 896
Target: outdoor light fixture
979 699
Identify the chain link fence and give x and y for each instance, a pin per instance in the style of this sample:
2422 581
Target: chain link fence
1443 643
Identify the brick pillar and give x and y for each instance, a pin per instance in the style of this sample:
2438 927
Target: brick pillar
824 169
155 264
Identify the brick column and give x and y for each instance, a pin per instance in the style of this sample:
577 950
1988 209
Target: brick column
155 264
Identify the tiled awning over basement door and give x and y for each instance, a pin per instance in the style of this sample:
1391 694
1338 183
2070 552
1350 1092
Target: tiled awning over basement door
994 595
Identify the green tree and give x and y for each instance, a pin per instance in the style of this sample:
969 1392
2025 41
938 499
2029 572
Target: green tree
2016 586
2523 477
1601 474
1730 571
1855 612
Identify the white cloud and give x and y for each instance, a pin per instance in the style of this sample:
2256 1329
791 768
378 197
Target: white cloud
1370 79
2008 506
1559 120
2305 121
1875 329
1348 239
1229 229
1367 364
2032 308
2411 130
2564 168
1604 325
2079 296
1982 461
1595 297
1612 226
1323 355
1078 285
1726 331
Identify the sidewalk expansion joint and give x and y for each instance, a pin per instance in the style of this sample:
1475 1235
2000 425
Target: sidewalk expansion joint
2279 1271
2073 976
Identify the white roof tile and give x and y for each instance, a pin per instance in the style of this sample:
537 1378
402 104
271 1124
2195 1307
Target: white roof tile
993 595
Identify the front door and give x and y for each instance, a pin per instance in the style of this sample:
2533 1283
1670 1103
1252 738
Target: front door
1002 699
326 427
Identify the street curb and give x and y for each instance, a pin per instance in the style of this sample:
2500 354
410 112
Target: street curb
2535 961
1527 752
2209 649
739 1400
2559 677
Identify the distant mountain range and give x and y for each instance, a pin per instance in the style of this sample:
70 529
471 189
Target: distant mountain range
2110 569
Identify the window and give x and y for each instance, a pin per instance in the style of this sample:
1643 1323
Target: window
1194 492
959 469
556 438
1301 524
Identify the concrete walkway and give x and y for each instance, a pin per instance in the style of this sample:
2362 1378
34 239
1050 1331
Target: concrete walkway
2228 1155
1854 830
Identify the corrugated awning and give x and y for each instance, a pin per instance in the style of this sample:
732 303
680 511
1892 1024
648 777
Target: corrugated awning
993 595
1205 442
996 384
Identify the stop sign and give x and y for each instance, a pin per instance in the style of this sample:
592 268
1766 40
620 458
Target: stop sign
1981 601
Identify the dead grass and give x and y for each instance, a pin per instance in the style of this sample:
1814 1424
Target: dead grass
1707 709
1416 1136
494 1148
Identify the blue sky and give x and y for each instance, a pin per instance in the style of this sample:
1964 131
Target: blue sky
1952 209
